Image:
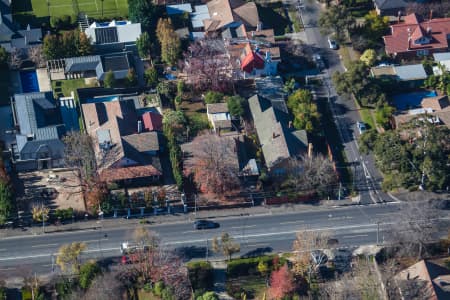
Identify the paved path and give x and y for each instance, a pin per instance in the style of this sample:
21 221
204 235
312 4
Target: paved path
220 279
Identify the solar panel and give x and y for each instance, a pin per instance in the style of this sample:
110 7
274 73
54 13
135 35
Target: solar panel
106 35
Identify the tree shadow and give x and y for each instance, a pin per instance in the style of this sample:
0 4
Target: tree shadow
190 252
257 252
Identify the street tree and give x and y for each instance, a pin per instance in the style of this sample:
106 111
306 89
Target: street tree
338 20
68 258
282 283
88 272
40 212
144 12
226 245
6 200
214 163
263 269
145 237
169 41
144 45
308 251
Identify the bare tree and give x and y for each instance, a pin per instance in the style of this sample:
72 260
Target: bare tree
312 173
104 287
214 163
207 66
308 249
226 245
79 155
414 228
68 258
16 58
36 55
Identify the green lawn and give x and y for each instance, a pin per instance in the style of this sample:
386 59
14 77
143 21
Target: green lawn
63 88
93 8
253 286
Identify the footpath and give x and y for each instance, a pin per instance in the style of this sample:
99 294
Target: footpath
164 218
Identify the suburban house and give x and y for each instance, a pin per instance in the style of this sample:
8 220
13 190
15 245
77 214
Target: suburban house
113 36
279 140
10 38
408 75
126 153
416 37
271 88
219 116
39 131
390 7
230 13
97 65
431 280
435 110
443 60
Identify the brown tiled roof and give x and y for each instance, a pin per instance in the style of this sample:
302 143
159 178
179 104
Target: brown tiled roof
216 108
411 29
116 174
435 103
143 142
266 35
247 13
223 12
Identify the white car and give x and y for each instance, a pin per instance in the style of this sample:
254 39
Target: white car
361 127
333 45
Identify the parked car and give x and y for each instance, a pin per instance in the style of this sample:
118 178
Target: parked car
333 44
361 127
318 61
205 224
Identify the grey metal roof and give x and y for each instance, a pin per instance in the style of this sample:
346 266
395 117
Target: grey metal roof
271 88
114 32
106 35
410 72
6 26
201 13
177 9
82 63
118 63
390 4
441 56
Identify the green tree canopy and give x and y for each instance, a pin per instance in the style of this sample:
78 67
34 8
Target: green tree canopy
338 20
236 105
109 81
131 79
6 201
151 77
375 25
144 45
169 41
88 271
4 58
144 12
51 47
306 115
369 57
213 97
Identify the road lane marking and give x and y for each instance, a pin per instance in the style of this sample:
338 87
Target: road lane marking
94 241
242 227
190 231
43 245
258 245
7 269
354 236
292 222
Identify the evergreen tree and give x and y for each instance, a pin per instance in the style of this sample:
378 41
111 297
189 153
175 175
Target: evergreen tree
142 11
169 41
144 45
110 80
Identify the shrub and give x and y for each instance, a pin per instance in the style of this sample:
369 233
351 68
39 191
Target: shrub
247 266
201 275
151 77
158 288
88 271
213 97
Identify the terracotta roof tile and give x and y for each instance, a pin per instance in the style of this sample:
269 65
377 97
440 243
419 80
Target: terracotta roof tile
116 174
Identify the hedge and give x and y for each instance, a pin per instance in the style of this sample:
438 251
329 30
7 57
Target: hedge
247 266
201 275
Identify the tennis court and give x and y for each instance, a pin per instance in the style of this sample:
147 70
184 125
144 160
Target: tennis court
93 8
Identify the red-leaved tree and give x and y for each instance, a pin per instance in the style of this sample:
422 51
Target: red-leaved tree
281 283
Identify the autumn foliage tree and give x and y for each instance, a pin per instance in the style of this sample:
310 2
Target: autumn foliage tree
281 283
169 41
214 163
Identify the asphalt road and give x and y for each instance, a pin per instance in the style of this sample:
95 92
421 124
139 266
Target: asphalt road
365 176
352 226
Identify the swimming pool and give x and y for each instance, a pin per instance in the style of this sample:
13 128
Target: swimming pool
29 81
411 100
102 99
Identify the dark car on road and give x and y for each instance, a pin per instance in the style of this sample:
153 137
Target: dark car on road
205 224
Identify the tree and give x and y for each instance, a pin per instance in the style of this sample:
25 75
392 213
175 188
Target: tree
106 286
16 58
40 212
308 248
169 41
68 42
213 97
144 12
163 88
131 79
208 296
289 85
312 173
88 272
36 55
147 238
369 57
110 80
214 163
79 155
281 283
263 269
84 46
337 19
68 258
236 105
6 200
383 115
375 26
151 77
51 47
207 67
144 45
226 245
4 57
306 115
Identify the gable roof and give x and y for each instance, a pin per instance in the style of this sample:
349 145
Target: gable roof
271 87
404 35
133 172
216 108
441 56
152 121
278 141
390 4
82 63
225 12
410 72
252 60
435 277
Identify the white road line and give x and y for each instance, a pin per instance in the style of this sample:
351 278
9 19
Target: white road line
292 222
7 269
94 241
257 245
43 245
242 227
354 236
190 231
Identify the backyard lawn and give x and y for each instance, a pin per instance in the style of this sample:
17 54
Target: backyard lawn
63 88
93 8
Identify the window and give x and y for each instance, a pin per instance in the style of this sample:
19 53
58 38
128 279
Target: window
422 52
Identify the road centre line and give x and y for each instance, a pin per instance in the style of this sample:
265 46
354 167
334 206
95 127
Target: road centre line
292 222
354 236
43 245
243 226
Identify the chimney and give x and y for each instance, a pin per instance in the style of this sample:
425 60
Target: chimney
139 126
28 27
429 30
431 14
399 16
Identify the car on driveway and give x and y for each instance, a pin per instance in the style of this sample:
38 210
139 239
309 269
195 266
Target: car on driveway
361 127
333 44
318 61
205 224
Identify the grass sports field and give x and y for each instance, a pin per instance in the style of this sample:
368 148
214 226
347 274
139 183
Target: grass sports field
93 8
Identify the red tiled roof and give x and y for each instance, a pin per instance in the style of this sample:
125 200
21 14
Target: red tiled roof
404 34
152 121
116 174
